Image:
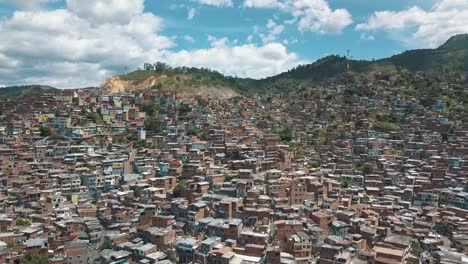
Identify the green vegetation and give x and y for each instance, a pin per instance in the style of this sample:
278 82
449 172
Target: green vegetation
344 184
191 132
22 222
45 131
286 134
18 91
204 135
202 102
35 259
416 248
179 186
183 109
228 179
96 117
142 144
320 134
151 110
153 125
386 126
358 165
365 198
235 154
314 164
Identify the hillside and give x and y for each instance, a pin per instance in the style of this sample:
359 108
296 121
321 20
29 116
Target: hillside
193 82
450 57
17 91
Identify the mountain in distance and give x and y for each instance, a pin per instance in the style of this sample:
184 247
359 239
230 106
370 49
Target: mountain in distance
12 92
450 57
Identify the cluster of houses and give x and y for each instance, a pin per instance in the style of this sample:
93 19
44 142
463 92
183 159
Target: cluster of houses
314 175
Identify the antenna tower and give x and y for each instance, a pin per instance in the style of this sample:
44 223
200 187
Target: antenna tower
347 60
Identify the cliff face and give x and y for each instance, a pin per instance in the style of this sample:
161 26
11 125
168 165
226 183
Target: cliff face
182 84
118 85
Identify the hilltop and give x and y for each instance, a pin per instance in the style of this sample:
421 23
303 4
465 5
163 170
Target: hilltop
18 91
452 56
185 80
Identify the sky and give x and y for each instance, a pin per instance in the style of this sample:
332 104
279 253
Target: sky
79 43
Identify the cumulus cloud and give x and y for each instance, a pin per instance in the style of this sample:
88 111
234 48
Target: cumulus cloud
419 27
310 15
247 60
365 36
80 46
28 4
106 11
191 13
189 38
263 3
274 31
74 46
215 2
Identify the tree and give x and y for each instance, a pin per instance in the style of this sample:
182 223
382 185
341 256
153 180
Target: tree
22 222
314 164
234 154
178 188
344 184
153 125
45 131
204 135
141 144
191 132
183 108
416 248
35 259
150 109
202 102
365 198
286 134
228 179
96 117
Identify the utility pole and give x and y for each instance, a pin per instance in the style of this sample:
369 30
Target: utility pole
347 59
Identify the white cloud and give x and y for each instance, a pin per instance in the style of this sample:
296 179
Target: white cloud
80 46
189 38
365 36
28 4
310 15
422 28
191 13
62 48
106 11
215 2
274 31
247 60
263 3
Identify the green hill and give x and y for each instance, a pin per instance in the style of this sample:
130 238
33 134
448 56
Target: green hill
17 91
451 57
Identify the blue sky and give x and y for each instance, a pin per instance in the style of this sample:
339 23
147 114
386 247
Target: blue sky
239 22
76 43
